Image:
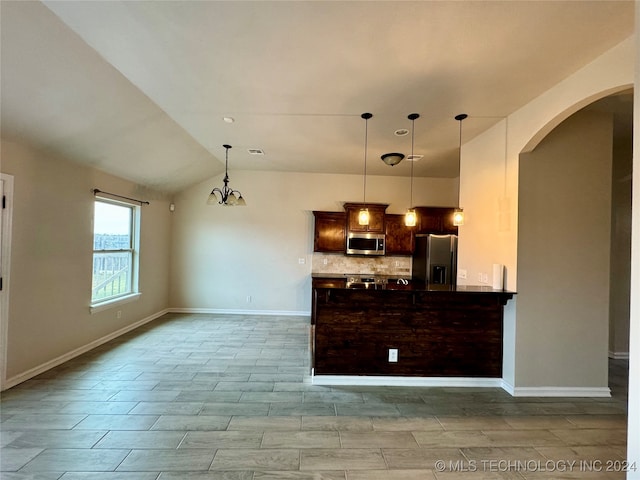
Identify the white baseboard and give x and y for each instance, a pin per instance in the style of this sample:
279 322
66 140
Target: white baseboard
393 381
225 311
599 392
619 355
22 377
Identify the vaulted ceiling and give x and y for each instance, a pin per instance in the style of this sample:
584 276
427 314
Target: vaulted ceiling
140 88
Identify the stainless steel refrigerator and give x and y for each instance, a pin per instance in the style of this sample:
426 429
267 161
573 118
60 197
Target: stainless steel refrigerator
435 259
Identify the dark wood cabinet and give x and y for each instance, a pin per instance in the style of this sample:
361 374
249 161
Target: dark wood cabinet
330 232
399 237
376 217
331 228
437 220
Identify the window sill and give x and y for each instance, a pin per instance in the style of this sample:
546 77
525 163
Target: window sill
99 307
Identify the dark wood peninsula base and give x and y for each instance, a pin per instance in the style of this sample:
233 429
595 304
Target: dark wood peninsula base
451 332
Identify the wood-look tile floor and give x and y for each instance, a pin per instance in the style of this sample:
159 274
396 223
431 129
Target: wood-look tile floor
211 397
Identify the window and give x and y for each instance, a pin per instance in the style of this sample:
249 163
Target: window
115 251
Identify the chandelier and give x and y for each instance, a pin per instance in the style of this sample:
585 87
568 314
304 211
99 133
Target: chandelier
228 196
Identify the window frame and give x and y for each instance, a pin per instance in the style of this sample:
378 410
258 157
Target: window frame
134 251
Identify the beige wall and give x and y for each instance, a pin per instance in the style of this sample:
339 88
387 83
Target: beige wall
620 248
487 176
223 255
51 258
563 255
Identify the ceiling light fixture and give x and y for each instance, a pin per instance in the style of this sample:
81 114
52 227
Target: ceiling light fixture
401 132
410 218
392 159
458 214
227 194
363 215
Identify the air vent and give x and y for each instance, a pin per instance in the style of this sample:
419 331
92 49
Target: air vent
255 151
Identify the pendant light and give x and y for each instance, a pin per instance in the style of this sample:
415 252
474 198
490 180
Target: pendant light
363 215
410 217
458 214
227 195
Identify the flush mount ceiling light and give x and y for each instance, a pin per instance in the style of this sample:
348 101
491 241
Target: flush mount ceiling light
255 151
410 218
401 132
392 159
458 214
228 119
414 158
363 215
227 195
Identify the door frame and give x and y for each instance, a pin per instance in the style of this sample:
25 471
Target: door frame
6 215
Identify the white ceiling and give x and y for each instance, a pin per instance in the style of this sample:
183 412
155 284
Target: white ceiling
140 88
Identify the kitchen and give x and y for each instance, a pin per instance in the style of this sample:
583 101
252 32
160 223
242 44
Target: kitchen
404 320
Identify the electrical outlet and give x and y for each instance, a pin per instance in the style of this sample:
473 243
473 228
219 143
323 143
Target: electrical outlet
119 314
301 261
248 298
485 278
462 273
393 355
325 261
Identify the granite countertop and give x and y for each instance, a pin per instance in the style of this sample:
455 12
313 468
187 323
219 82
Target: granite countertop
391 284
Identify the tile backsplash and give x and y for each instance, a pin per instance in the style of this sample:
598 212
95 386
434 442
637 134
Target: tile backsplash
339 263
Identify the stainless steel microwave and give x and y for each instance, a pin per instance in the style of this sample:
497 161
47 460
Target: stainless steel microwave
365 243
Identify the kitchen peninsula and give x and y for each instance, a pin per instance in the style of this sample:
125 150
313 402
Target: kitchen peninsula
361 324
407 318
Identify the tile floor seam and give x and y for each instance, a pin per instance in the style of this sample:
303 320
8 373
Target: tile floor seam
123 460
556 421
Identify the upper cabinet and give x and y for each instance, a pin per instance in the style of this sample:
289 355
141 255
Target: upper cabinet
438 220
399 238
330 233
331 228
376 217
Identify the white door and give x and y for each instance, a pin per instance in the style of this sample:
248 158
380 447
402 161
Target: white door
6 196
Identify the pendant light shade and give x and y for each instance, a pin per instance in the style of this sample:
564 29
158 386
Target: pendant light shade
363 215
458 214
458 217
410 217
227 195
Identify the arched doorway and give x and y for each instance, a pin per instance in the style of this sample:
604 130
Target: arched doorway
573 272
